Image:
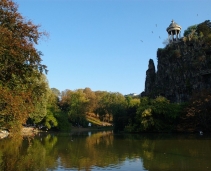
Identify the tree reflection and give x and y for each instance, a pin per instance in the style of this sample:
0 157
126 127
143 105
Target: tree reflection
10 153
103 149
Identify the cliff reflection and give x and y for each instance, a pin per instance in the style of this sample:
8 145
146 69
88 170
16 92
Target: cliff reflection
102 150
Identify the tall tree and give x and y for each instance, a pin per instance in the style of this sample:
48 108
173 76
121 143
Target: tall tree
19 57
20 65
77 110
40 101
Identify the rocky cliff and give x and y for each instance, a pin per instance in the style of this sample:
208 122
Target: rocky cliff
184 67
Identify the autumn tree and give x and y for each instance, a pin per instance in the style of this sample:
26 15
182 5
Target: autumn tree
14 108
92 101
198 116
65 100
20 65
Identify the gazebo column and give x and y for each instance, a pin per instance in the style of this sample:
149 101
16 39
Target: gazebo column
168 38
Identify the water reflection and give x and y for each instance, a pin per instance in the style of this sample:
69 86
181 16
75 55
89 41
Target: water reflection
105 151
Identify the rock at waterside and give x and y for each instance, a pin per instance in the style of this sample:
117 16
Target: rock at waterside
3 134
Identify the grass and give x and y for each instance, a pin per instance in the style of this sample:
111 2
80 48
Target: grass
96 121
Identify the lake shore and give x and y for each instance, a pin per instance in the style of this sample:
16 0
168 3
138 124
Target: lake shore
31 131
81 129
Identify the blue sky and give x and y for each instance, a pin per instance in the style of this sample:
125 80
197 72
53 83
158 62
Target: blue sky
98 43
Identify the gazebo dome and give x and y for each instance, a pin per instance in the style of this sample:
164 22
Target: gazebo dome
173 27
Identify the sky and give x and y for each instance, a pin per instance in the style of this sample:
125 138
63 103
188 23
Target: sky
106 45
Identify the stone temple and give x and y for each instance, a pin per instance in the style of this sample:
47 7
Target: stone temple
174 32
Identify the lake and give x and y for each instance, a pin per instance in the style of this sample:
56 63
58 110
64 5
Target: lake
104 150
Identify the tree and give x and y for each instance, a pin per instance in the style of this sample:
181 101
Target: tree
14 108
91 97
55 116
115 101
204 28
198 111
75 104
56 92
144 119
20 65
112 105
157 115
40 99
190 30
77 108
100 106
65 100
19 58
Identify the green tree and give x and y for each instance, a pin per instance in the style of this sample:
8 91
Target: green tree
56 118
40 99
107 105
77 112
131 109
157 115
144 119
191 30
53 110
204 28
115 101
100 109
111 106
56 92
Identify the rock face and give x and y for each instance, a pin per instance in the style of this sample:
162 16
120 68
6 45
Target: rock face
183 68
150 78
3 134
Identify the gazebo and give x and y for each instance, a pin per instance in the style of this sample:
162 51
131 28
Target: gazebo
174 31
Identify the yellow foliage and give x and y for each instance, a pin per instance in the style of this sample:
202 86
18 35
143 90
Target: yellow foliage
147 112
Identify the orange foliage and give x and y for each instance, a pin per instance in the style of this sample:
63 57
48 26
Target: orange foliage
20 65
14 108
18 56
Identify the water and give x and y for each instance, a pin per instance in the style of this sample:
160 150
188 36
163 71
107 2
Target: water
100 151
